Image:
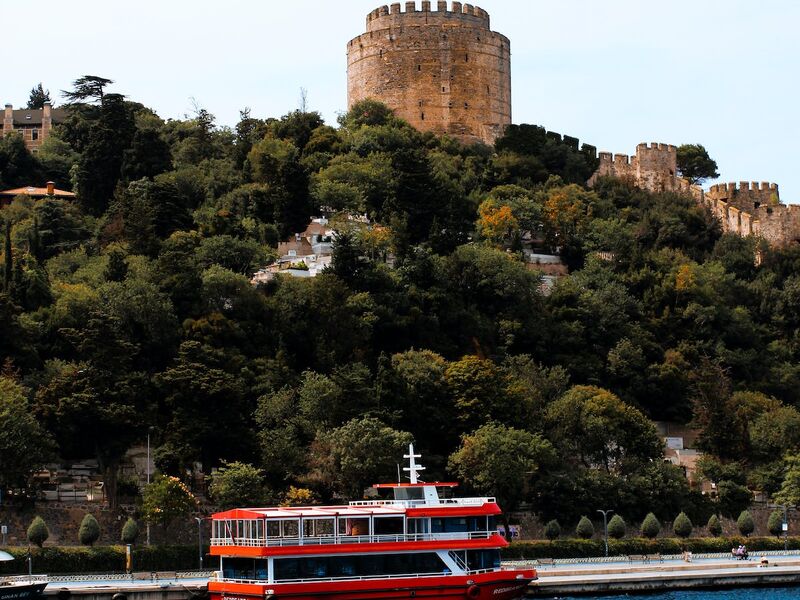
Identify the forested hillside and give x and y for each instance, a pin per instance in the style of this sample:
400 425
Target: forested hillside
131 310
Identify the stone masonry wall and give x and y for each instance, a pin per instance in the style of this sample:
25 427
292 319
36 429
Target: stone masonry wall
443 71
746 209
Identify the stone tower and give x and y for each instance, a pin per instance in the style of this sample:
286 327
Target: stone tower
443 71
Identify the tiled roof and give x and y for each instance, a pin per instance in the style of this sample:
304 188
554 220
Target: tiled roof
36 191
24 116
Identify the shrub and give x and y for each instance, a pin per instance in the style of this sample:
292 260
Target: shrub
552 531
98 559
89 531
650 526
38 532
745 523
130 531
775 522
682 526
585 529
714 526
616 527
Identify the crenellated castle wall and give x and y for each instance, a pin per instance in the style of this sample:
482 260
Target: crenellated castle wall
654 167
749 208
441 70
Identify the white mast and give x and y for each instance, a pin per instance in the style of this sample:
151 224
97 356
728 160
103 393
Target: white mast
413 468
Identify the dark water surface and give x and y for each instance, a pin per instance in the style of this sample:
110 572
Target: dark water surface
777 593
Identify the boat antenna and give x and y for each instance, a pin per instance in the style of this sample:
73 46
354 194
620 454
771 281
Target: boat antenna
413 468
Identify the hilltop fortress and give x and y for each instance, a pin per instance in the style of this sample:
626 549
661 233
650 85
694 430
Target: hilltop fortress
447 72
443 71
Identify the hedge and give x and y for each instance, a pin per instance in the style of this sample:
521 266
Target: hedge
100 559
575 548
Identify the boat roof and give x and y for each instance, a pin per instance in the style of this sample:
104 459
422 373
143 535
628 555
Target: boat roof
386 486
285 512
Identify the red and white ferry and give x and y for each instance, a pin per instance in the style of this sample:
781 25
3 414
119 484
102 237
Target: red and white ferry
422 543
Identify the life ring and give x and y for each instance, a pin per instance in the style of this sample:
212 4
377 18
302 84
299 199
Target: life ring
119 596
473 591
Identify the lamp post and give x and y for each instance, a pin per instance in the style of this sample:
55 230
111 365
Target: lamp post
147 525
605 514
785 528
199 540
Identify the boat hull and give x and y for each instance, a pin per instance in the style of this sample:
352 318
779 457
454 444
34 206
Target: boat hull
26 591
499 585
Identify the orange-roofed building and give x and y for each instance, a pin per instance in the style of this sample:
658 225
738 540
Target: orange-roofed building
50 191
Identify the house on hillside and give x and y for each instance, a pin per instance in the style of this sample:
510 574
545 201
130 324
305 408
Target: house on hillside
306 254
37 193
33 124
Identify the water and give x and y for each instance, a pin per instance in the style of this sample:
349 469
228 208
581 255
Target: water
777 593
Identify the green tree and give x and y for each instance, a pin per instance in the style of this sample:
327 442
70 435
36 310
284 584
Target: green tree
745 523
88 87
651 526
89 531
714 526
24 444
682 526
695 165
552 531
237 484
476 387
117 267
594 427
37 531
361 452
38 97
166 499
733 498
789 493
130 531
775 522
584 529
501 461
617 527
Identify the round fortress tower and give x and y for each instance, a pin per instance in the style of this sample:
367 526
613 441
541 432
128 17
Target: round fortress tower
443 71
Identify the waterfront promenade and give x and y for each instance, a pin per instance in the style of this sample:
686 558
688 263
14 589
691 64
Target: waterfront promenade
618 575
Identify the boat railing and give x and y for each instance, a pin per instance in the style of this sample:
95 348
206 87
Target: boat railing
23 578
419 503
352 539
443 573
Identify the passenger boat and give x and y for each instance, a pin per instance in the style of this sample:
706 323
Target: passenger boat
420 543
28 587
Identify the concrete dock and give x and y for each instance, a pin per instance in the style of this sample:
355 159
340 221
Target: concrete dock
671 574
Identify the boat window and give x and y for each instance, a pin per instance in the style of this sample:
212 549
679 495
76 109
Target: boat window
388 526
357 526
418 526
483 559
320 567
409 493
290 528
317 527
273 528
244 568
457 524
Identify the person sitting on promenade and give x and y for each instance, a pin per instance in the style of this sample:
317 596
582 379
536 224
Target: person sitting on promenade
740 553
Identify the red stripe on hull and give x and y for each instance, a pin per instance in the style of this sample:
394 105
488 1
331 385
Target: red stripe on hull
501 585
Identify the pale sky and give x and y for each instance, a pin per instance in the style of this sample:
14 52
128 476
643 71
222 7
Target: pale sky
724 73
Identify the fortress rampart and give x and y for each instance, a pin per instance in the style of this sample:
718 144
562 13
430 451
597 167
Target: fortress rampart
749 208
441 70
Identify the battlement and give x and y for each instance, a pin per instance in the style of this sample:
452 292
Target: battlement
744 186
656 146
410 12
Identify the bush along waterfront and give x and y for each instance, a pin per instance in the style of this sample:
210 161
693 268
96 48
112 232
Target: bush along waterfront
578 548
99 559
